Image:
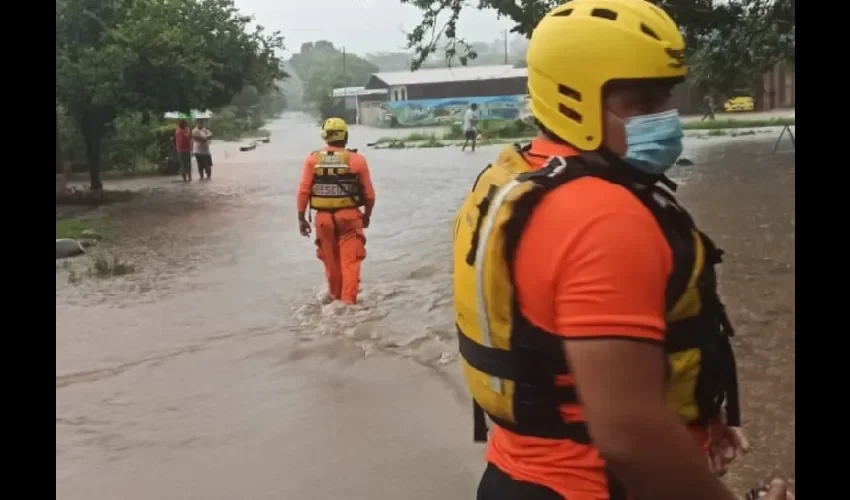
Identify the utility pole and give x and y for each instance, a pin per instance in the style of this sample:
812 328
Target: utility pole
506 46
345 87
344 73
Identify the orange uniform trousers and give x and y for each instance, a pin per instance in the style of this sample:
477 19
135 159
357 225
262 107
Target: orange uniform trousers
341 246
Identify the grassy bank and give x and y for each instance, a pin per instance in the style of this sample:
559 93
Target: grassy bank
99 262
731 123
495 131
70 228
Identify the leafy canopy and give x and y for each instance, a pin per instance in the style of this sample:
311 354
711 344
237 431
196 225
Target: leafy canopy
151 56
729 42
322 67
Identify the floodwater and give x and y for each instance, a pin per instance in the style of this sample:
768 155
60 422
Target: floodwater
215 372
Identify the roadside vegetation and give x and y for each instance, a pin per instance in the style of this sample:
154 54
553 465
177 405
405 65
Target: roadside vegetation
503 131
120 66
99 259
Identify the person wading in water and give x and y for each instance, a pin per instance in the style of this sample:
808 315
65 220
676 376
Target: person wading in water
336 183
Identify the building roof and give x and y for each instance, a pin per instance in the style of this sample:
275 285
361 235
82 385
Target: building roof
353 91
441 75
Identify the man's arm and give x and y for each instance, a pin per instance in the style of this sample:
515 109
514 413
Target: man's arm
362 168
199 135
305 186
610 287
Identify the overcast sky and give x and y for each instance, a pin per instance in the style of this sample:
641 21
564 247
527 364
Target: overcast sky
361 26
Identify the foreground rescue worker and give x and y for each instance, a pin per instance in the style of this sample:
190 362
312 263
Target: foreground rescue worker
335 183
576 272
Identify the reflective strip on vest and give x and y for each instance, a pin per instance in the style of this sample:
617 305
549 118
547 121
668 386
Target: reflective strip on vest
334 185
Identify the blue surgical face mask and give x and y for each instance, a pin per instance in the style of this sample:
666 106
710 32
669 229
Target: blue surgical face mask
654 141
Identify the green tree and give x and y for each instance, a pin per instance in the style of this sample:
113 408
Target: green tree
746 39
729 42
322 67
59 168
152 56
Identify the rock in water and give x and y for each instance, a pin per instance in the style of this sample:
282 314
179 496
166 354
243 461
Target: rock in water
66 247
684 162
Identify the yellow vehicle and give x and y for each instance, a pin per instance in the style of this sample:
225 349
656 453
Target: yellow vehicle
739 103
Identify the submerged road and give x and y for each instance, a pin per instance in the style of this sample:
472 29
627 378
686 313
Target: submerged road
214 371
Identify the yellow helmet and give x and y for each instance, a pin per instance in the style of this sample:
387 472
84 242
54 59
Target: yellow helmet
580 46
334 129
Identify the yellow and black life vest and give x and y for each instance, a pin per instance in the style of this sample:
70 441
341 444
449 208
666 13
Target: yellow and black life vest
510 365
335 186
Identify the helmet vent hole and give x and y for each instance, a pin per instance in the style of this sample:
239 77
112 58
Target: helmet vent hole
569 113
568 92
563 13
604 14
648 31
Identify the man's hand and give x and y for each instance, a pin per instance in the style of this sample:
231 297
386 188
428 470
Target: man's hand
646 445
776 490
727 444
304 227
366 219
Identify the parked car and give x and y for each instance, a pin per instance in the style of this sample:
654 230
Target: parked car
739 103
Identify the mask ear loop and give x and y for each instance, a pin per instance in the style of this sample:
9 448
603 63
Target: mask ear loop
606 154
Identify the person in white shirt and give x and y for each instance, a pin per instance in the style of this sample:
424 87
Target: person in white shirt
201 136
470 126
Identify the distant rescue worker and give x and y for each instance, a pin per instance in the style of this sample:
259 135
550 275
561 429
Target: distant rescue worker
336 184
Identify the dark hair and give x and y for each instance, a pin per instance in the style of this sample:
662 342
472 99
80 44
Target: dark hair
473 106
548 134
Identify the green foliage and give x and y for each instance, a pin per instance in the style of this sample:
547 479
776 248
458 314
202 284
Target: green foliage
745 39
495 52
729 42
322 67
72 147
130 144
72 228
134 145
151 56
230 123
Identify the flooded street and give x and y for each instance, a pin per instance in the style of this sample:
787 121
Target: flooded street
214 372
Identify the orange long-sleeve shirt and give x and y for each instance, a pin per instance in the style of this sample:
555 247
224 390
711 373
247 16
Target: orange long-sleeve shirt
357 164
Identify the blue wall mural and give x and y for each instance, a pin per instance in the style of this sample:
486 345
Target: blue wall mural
427 112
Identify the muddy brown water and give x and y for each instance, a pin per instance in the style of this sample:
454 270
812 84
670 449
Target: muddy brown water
214 372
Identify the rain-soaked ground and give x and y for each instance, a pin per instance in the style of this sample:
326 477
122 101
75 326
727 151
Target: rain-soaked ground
213 372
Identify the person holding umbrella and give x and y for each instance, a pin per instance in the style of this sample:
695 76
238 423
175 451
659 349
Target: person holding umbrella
183 144
201 136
